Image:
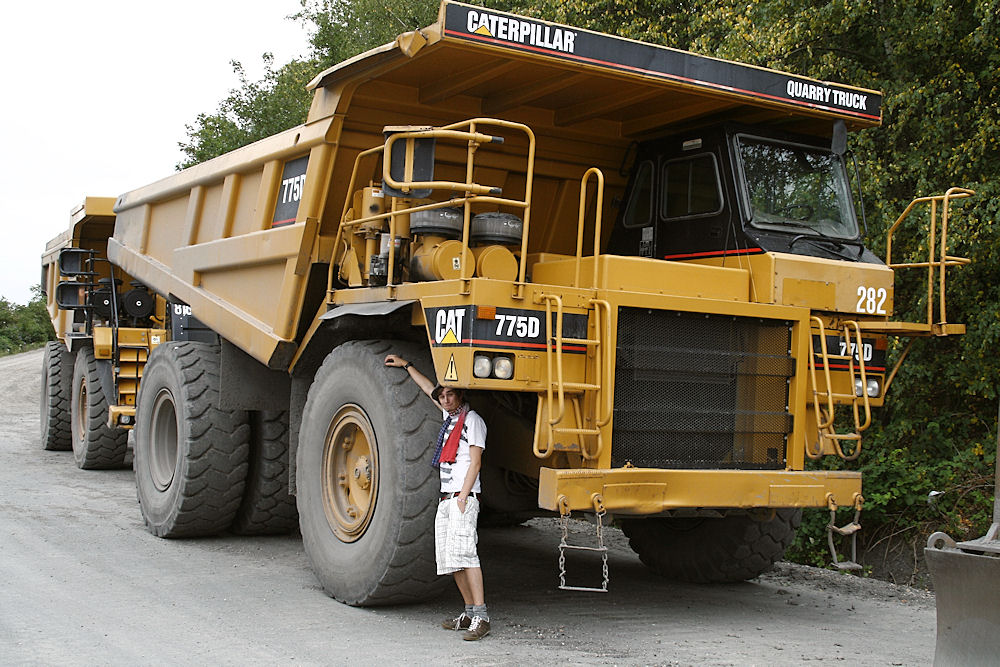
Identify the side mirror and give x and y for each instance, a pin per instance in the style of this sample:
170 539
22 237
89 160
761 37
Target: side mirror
410 160
75 262
71 295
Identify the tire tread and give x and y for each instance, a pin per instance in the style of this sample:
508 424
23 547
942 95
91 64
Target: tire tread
57 394
730 549
215 451
267 508
101 447
410 573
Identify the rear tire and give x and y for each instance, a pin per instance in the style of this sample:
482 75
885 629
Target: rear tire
190 455
367 493
96 446
709 550
267 509
57 393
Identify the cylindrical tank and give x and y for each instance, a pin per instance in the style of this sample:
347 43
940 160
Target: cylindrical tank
495 262
436 258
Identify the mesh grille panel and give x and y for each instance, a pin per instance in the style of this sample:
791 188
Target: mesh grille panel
701 391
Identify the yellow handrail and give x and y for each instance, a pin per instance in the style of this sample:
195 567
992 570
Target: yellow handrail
825 415
556 386
593 171
603 361
473 192
943 259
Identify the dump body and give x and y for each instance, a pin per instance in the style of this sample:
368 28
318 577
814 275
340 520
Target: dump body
222 237
645 263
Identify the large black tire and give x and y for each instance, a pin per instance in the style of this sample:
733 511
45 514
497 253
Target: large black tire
190 455
712 550
96 446
366 491
267 508
57 392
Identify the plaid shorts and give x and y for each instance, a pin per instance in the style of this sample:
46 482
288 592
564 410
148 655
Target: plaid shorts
455 535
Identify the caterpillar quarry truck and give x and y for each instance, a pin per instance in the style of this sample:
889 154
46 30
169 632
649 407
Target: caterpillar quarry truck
645 265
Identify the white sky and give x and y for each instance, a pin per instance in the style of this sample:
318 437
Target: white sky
95 95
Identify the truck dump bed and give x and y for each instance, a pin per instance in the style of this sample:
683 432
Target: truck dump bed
246 238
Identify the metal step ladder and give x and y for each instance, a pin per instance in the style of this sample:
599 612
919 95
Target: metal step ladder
824 400
582 395
552 408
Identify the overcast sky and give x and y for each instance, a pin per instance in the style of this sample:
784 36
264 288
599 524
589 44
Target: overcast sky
95 96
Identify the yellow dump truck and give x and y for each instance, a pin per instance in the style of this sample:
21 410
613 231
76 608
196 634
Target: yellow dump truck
646 265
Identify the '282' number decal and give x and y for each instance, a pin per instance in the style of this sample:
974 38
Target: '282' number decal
871 300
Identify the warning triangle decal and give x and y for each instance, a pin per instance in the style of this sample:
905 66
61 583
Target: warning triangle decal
451 373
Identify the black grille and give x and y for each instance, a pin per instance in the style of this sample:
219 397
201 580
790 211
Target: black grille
701 391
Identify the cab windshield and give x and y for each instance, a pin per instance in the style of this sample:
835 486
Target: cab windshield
797 189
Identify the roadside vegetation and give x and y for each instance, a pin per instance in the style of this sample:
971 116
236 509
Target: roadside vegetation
24 327
937 63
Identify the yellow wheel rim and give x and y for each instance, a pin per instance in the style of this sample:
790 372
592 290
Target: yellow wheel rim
81 413
350 473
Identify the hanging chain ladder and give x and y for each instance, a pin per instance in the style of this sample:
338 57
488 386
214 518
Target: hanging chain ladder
564 514
850 530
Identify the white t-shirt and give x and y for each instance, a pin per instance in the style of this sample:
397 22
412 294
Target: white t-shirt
474 434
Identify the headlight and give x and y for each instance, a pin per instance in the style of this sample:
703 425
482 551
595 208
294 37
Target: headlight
481 366
503 368
873 388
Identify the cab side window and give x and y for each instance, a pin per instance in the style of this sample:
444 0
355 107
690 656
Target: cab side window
639 208
691 187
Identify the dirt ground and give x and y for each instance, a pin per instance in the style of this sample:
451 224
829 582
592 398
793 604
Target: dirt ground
84 584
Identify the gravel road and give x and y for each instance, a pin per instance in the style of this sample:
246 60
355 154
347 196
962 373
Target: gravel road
83 583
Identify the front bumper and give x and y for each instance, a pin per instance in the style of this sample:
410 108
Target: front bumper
645 491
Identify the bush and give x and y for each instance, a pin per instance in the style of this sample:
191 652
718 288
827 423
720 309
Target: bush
24 327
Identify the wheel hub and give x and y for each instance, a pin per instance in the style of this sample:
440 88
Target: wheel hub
350 473
81 412
163 441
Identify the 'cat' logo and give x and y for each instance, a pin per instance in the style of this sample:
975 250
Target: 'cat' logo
448 325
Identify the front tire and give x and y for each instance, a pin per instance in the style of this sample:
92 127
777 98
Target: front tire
190 455
57 393
96 446
710 550
366 491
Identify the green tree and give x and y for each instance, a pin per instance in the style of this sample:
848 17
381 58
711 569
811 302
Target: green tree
252 111
23 327
341 29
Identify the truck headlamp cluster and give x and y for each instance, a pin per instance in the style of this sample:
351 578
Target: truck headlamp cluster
503 368
500 366
871 385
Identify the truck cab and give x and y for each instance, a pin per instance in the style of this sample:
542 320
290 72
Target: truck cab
736 190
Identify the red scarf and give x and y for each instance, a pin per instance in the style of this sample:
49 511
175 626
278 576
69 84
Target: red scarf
450 449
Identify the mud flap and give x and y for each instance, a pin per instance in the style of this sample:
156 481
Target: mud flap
967 586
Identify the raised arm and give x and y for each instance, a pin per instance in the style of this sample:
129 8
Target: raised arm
422 380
